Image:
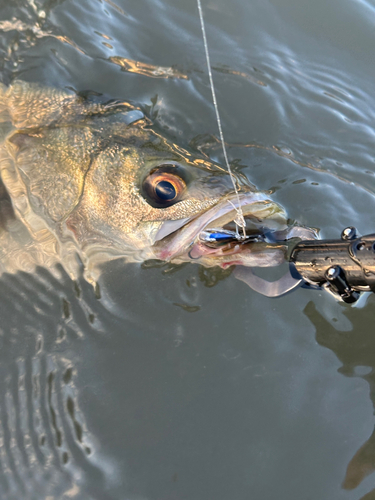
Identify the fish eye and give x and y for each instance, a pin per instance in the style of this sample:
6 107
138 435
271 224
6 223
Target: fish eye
163 186
165 190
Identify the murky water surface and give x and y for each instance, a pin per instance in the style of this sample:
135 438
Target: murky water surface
182 383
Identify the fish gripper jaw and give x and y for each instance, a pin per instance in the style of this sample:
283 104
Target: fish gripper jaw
345 267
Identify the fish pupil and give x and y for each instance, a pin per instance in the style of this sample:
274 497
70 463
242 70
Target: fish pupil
165 190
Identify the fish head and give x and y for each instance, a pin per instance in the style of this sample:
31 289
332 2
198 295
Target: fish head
146 195
100 175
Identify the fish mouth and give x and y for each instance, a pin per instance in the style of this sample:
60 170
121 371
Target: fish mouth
212 238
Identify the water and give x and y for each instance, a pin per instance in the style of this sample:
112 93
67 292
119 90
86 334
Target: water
180 383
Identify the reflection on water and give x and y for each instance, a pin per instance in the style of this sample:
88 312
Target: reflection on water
146 69
355 349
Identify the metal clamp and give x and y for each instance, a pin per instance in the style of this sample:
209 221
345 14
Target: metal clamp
344 267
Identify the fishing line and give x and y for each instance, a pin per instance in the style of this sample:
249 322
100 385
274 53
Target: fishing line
239 220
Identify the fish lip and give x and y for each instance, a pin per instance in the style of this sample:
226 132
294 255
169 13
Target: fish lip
176 244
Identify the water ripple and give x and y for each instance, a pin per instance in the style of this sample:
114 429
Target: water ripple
46 447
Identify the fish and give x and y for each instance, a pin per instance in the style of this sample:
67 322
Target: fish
86 178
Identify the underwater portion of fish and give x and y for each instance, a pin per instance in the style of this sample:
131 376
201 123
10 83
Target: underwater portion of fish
88 177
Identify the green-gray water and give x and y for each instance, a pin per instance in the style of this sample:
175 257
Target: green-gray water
179 383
